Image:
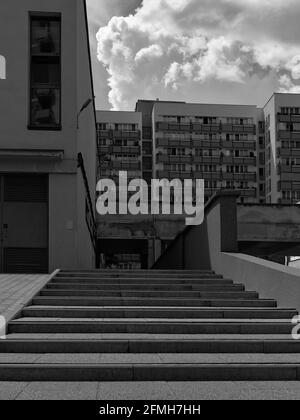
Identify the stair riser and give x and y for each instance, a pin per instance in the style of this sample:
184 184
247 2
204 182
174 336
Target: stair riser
156 314
150 287
135 272
142 282
146 294
98 328
150 347
139 276
56 373
152 302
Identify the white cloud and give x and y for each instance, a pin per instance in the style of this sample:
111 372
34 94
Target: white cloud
287 85
149 53
169 44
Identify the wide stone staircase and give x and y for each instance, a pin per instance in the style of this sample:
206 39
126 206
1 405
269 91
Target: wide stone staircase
149 326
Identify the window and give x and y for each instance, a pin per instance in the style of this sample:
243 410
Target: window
45 71
2 67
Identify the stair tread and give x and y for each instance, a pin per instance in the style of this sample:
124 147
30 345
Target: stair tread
155 358
149 320
132 298
141 336
161 308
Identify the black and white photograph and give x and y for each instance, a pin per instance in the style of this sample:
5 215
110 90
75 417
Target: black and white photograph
149 204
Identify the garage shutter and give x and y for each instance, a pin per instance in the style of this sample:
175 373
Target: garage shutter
26 214
26 189
26 260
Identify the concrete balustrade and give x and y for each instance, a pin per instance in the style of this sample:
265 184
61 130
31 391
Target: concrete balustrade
214 246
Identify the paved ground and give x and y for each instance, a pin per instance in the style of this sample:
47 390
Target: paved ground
156 391
16 290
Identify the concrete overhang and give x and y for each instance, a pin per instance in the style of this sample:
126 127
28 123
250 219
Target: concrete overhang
269 229
35 154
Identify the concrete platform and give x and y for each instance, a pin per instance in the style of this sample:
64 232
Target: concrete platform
17 290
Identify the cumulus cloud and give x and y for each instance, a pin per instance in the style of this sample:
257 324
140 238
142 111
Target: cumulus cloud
168 44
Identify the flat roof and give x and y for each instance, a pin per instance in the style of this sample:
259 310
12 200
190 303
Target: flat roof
121 117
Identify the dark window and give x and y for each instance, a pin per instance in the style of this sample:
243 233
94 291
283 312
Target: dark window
45 72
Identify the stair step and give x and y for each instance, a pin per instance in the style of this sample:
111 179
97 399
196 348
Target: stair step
171 313
141 346
163 282
143 272
151 287
151 294
150 372
149 358
140 273
123 276
36 325
165 325
147 302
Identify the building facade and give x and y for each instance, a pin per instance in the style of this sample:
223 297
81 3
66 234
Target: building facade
119 137
47 138
282 136
255 151
217 143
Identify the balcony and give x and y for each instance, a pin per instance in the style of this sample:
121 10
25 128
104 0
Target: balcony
239 177
117 134
206 144
214 176
174 175
206 128
102 134
127 166
289 169
209 160
244 145
168 142
288 135
250 193
232 160
180 159
283 152
132 150
288 118
105 150
290 176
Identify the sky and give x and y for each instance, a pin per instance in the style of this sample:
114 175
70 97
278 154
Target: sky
207 51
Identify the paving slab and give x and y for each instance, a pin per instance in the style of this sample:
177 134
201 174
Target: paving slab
235 390
17 290
59 391
11 390
154 391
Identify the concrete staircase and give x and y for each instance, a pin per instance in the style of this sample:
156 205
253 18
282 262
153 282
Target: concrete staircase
149 326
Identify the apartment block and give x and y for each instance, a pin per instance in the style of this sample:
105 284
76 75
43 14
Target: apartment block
255 151
282 136
145 107
217 143
119 137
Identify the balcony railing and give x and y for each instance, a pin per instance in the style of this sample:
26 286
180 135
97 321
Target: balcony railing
132 150
118 134
206 128
246 177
